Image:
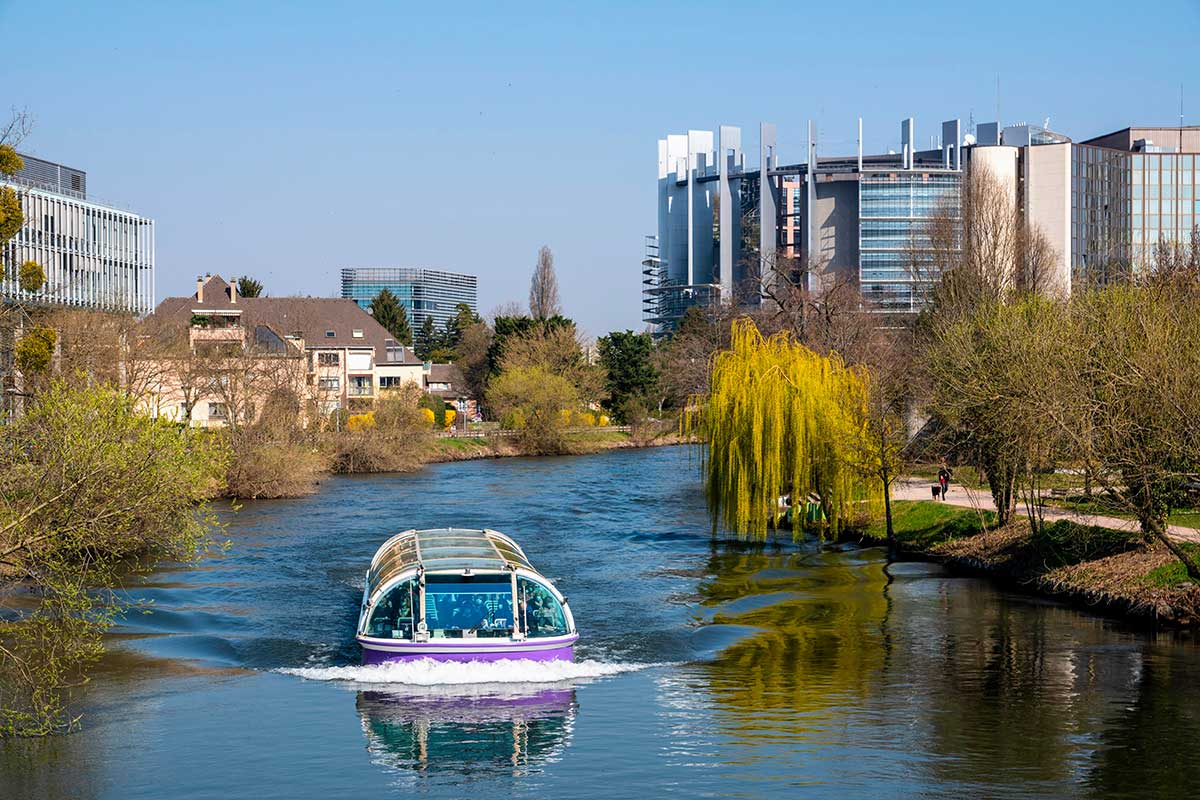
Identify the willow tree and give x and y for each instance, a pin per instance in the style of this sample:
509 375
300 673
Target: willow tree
782 421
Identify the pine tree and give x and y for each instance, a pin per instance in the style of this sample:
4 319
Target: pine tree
427 339
248 287
391 314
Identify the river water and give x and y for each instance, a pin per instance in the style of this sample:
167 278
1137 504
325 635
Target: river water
705 670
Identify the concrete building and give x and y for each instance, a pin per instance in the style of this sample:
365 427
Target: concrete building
723 227
423 292
1104 205
328 352
94 255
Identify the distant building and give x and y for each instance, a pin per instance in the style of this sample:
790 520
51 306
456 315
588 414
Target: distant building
340 356
95 255
1103 204
723 226
423 292
447 382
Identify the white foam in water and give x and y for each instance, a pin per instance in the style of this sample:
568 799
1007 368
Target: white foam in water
427 672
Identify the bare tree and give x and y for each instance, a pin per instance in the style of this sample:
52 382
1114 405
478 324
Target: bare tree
543 288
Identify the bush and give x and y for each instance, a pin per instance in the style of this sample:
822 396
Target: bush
31 276
92 488
265 466
35 350
537 397
361 422
395 443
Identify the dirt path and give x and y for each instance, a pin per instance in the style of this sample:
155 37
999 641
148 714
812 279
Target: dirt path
958 495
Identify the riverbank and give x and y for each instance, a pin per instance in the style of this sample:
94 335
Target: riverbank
470 449
1104 570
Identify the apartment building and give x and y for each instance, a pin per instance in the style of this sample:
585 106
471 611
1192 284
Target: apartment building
327 352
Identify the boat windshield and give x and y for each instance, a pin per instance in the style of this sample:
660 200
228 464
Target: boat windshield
457 607
541 613
392 617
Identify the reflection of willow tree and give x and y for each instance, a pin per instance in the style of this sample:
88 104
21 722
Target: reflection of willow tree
815 652
467 735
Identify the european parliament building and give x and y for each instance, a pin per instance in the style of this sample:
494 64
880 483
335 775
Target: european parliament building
1103 204
423 292
94 255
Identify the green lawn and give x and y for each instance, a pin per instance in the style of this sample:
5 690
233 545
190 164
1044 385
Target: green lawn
1174 573
923 523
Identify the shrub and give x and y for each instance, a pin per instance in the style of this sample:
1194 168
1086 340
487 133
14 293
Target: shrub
361 422
540 397
31 276
395 443
92 488
35 350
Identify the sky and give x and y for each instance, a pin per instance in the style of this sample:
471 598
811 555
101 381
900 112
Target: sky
286 141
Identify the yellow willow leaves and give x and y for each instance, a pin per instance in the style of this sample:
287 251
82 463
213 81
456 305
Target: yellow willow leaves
782 420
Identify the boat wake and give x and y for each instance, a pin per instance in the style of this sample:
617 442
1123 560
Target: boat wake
427 672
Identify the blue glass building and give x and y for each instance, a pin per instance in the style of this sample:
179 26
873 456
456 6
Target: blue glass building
423 292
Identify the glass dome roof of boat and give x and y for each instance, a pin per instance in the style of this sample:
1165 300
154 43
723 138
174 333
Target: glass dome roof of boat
445 550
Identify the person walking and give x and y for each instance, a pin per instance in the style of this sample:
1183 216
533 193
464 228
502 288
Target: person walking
944 480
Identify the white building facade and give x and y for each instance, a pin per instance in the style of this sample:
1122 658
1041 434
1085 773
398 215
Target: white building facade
95 256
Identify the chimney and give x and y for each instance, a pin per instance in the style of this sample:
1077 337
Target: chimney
199 289
233 290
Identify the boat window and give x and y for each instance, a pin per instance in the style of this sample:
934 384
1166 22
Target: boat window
392 617
457 607
541 613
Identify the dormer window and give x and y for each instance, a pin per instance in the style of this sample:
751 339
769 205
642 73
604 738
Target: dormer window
329 334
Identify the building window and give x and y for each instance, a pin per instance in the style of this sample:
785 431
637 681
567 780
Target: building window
360 386
357 333
392 381
328 359
330 384
217 411
329 334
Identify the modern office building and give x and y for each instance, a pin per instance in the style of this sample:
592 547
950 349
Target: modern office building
1103 204
423 292
94 255
723 228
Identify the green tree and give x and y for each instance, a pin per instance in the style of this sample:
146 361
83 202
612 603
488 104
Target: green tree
392 315
92 488
627 358
427 339
463 318
248 287
537 402
782 421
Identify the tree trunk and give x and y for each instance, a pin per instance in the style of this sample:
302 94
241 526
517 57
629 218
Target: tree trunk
1159 530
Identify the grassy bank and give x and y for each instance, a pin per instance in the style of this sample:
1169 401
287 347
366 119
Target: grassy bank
1111 571
466 449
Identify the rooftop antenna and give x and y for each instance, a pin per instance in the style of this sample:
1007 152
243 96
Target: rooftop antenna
1181 117
998 122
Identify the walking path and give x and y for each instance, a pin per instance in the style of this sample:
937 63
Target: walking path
980 499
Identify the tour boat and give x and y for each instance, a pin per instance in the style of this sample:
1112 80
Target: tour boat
453 594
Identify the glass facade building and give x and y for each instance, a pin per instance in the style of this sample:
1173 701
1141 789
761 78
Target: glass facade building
1164 205
423 292
893 211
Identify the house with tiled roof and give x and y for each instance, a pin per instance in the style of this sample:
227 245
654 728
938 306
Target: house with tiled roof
339 355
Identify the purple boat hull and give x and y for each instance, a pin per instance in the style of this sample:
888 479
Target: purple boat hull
380 651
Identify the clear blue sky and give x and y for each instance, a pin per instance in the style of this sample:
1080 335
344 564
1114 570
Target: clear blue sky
286 141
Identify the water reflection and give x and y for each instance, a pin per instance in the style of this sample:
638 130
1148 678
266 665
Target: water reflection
493 731
967 690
